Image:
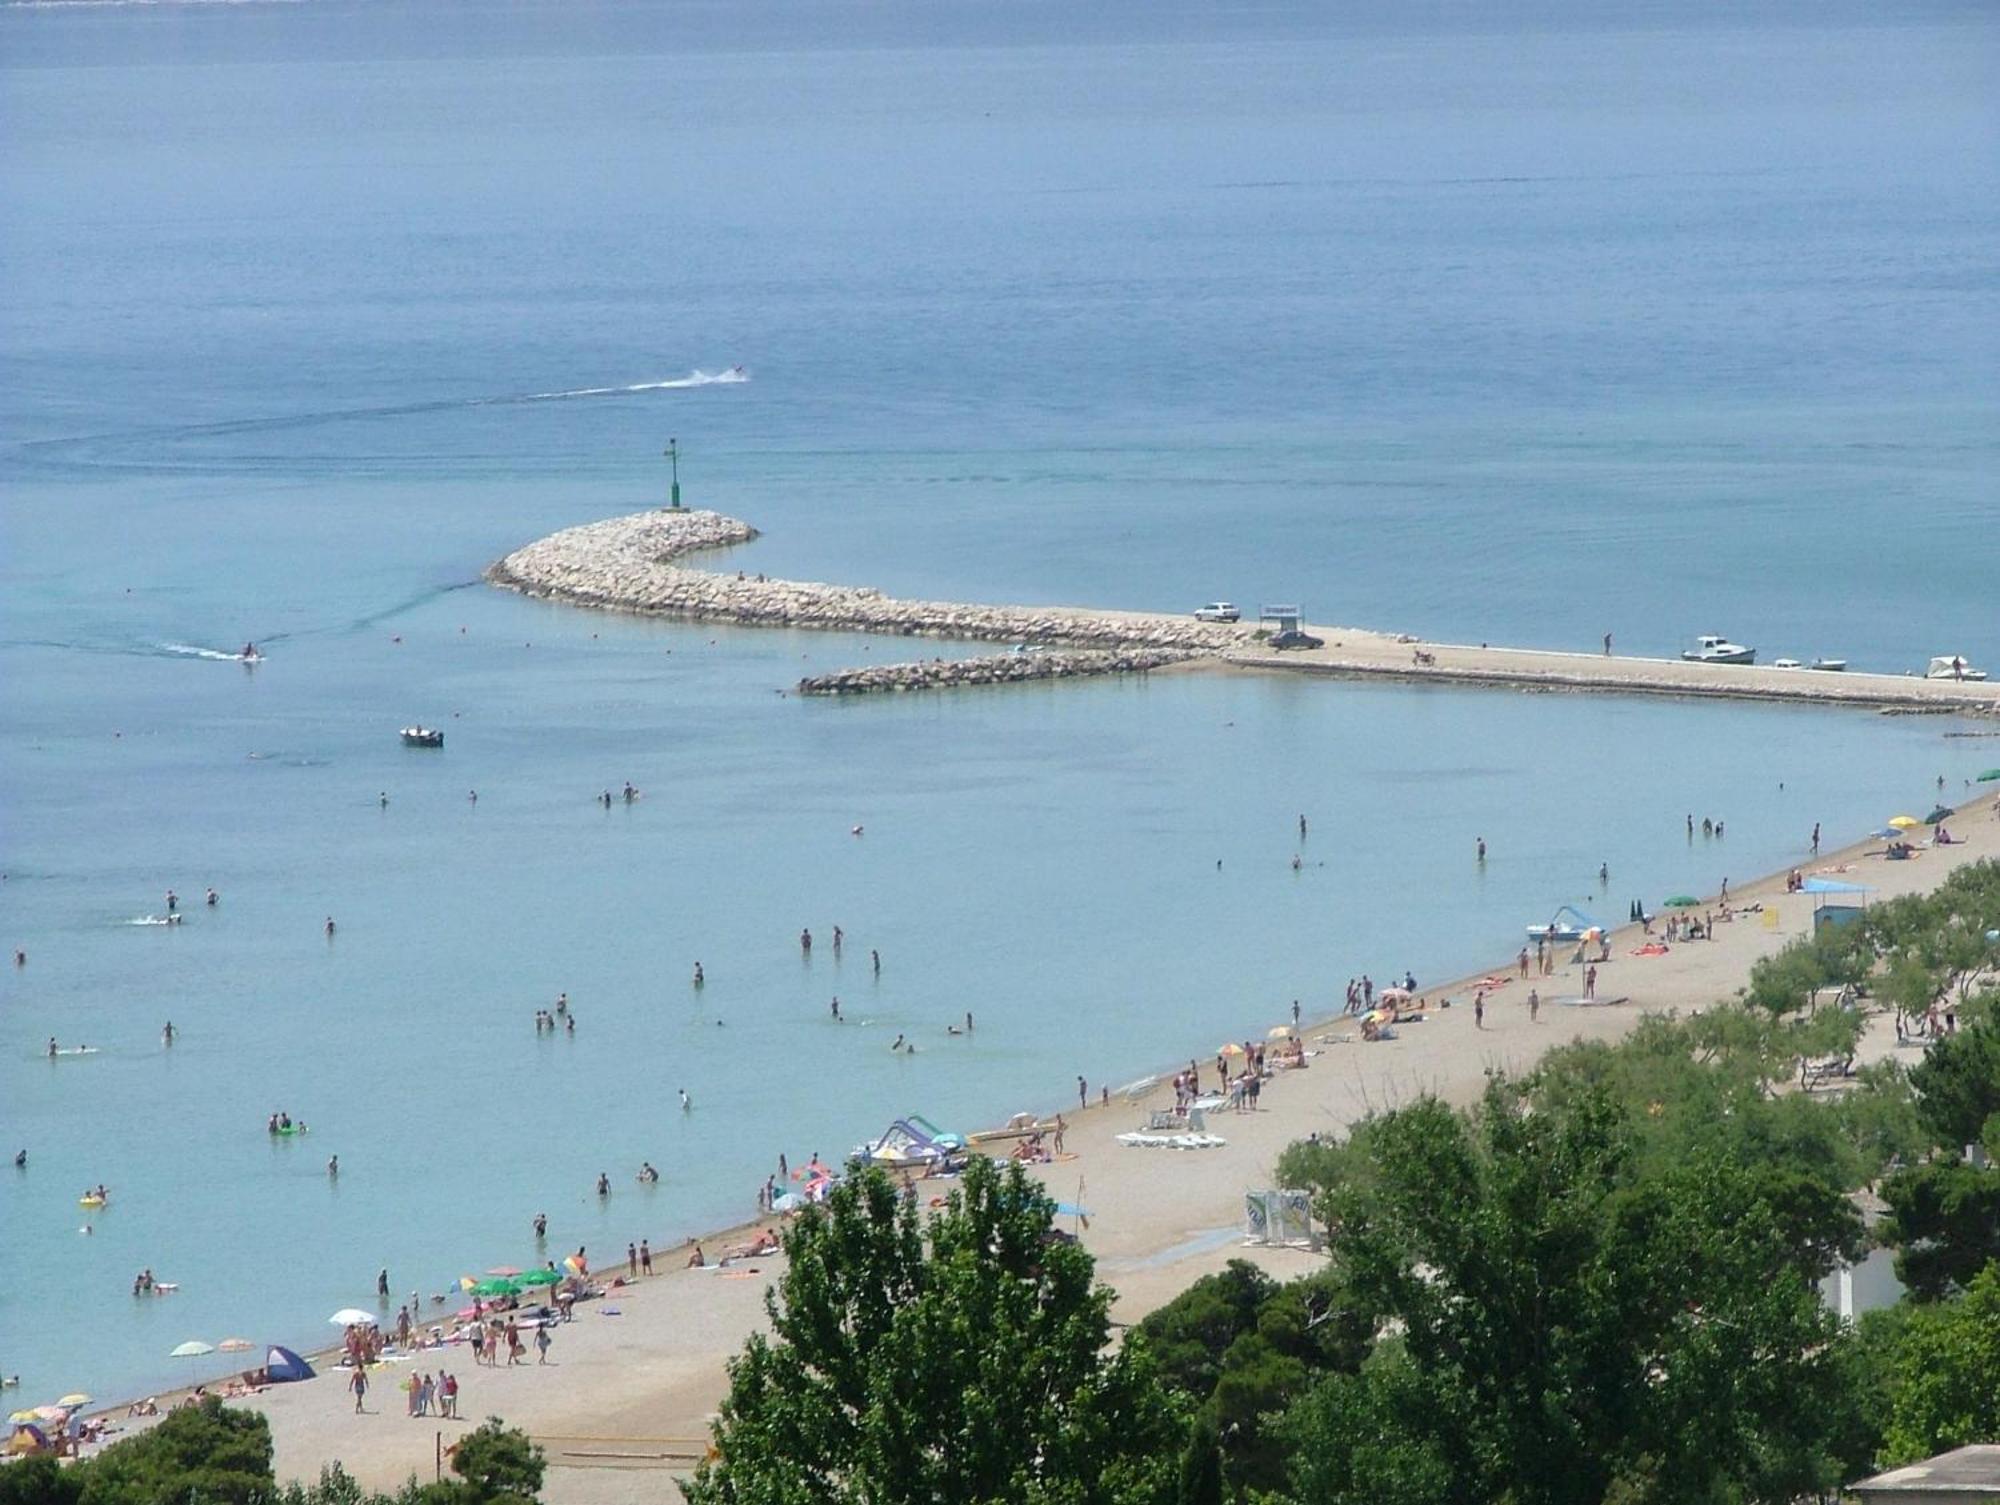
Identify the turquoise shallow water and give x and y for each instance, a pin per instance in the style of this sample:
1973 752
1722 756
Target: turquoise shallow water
1517 334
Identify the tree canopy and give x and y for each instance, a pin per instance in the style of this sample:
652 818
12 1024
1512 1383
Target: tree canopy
961 1357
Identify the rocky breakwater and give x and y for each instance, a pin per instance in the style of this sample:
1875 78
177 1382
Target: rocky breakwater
629 564
995 669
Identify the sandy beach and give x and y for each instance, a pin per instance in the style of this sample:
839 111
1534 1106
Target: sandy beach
633 1382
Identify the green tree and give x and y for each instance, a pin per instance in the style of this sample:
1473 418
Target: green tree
200 1455
1944 1222
1958 1085
1947 1375
41 1480
496 1465
1570 1327
964 1360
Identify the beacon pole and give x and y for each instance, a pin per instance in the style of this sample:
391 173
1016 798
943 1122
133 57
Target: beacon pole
673 453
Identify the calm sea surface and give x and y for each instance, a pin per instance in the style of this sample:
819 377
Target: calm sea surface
1513 327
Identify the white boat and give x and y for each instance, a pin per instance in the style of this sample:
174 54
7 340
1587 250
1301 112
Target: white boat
422 736
1827 665
1712 649
1953 666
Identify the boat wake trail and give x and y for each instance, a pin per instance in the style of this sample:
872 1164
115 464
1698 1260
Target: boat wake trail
735 376
191 650
74 449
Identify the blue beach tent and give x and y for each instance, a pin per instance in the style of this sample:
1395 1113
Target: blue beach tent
282 1366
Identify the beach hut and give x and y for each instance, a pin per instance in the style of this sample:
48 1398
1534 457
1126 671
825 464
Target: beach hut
283 1367
1832 900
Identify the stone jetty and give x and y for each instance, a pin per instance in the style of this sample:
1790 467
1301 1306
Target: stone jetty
634 564
992 669
629 564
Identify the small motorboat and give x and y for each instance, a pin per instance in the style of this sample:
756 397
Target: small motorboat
1713 649
422 736
1953 666
1827 665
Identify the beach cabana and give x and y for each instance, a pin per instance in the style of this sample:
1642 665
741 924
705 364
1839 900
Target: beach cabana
283 1367
1831 900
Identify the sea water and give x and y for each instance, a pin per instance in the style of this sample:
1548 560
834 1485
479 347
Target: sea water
1513 331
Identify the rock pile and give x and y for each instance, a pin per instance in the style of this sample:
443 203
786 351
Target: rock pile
998 669
627 564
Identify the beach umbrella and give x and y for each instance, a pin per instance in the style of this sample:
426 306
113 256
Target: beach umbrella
52 1413
74 1398
1941 812
348 1316
541 1278
1681 901
496 1287
789 1201
504 1270
574 1265
20 1418
1278 1032
1229 1048
1392 995
1904 822
1989 776
235 1345
194 1348
467 1282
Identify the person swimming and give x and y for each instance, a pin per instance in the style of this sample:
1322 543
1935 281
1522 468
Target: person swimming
646 1172
211 899
249 651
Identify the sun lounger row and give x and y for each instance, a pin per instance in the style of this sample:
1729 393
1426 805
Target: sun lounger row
1141 1140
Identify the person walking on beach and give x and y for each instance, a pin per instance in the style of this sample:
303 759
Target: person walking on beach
1082 1093
1590 982
447 1395
1534 1004
358 1383
1061 1129
541 1345
1479 1009
631 1261
514 1348
1815 840
645 1258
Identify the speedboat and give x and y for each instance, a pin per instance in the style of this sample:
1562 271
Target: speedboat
422 736
1711 649
1953 666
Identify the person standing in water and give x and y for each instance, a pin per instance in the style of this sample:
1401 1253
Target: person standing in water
806 942
836 1008
213 896
875 961
699 979
173 902
329 927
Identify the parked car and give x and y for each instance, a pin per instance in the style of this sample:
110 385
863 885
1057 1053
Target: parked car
1219 611
1293 638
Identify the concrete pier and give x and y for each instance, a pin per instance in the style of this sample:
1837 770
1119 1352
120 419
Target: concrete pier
631 564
